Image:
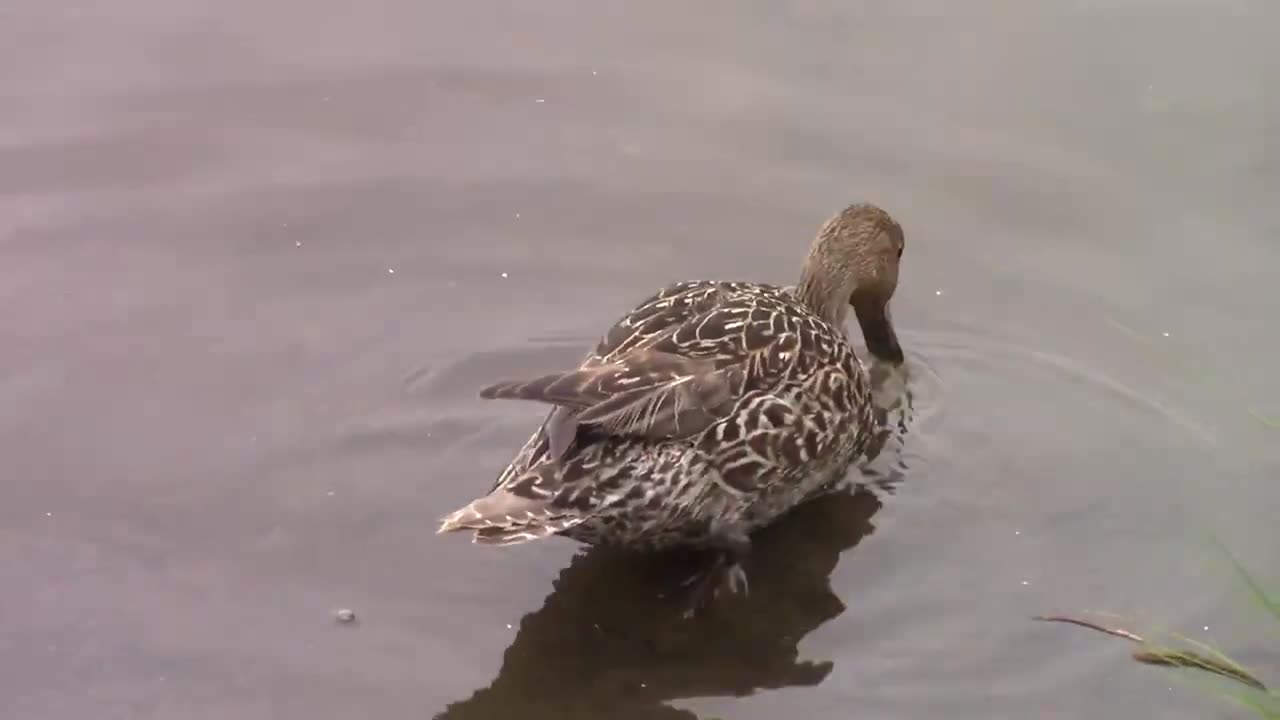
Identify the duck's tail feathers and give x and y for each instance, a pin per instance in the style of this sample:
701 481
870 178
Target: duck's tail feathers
523 533
504 518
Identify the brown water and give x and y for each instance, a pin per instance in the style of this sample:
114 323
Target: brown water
258 257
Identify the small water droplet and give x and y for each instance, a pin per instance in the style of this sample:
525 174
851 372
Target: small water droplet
330 493
508 626
298 244
48 514
937 292
517 216
391 271
345 615
1166 333
540 100
1026 582
504 275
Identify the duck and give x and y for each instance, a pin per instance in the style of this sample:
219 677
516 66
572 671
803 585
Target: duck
706 412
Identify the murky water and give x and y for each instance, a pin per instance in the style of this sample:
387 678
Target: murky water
258 258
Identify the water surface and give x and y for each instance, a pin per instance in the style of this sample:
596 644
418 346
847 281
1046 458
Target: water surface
259 257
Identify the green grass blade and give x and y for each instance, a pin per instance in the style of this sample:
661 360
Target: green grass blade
1270 604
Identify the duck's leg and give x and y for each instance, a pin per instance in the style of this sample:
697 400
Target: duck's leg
730 548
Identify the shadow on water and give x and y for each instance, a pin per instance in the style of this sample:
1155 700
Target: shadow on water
610 642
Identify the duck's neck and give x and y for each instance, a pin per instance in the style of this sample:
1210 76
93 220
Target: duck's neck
821 293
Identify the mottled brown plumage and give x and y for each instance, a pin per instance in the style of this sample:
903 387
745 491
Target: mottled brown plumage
706 411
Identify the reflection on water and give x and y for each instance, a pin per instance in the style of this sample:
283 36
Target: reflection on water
610 640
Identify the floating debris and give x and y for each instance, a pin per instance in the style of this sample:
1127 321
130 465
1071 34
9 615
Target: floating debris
391 271
345 615
504 274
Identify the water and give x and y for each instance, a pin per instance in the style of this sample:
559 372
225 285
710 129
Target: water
259 257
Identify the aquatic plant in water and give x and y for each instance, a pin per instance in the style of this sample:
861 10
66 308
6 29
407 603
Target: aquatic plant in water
1241 685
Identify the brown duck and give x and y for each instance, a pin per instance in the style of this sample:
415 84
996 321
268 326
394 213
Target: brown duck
707 411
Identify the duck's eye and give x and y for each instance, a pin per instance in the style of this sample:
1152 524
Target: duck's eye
900 249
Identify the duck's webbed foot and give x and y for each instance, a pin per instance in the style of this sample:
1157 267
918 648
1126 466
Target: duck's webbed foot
724 572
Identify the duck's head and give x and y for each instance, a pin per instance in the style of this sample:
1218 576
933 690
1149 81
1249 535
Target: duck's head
854 262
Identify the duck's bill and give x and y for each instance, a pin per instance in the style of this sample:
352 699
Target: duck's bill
877 329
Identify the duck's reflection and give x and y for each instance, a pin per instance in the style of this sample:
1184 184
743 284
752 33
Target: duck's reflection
610 642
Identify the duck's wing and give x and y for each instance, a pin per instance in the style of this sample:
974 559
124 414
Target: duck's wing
674 382
659 314
650 393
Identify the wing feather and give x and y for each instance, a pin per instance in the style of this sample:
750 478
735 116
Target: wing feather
669 370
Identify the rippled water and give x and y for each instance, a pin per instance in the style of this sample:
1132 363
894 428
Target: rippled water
259 257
